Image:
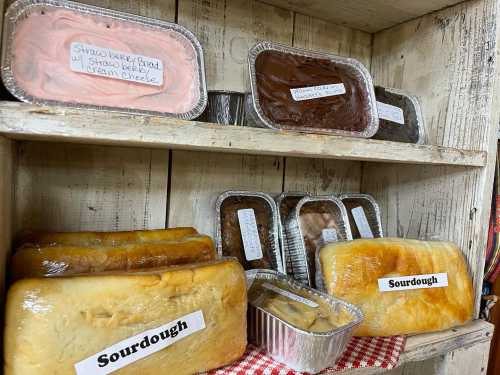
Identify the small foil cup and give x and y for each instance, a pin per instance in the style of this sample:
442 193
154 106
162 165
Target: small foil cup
357 69
225 108
412 131
300 350
305 228
371 210
229 239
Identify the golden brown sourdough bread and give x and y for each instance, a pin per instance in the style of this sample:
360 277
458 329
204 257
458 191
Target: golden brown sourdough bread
53 323
351 271
71 260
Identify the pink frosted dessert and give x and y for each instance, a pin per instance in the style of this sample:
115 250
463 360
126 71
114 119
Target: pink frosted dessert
128 65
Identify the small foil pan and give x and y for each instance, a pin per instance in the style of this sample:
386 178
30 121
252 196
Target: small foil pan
355 68
301 350
21 9
225 108
305 228
229 238
412 131
371 211
285 203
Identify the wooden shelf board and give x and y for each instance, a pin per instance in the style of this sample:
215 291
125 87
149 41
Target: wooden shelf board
366 15
59 124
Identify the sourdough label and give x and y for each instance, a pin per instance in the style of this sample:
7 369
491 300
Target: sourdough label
250 234
290 295
105 62
390 113
142 345
432 280
316 92
362 222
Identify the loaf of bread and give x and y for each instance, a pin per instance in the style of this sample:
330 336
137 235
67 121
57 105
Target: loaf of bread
70 260
104 238
54 323
353 270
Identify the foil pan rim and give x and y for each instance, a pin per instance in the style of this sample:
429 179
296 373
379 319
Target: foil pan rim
17 8
372 201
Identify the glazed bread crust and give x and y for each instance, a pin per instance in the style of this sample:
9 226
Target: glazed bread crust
351 271
53 323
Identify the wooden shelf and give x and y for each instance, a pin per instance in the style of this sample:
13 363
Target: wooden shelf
23 121
367 15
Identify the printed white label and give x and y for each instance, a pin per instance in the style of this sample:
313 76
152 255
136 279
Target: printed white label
432 280
329 235
390 113
362 222
290 295
142 345
315 92
249 234
105 62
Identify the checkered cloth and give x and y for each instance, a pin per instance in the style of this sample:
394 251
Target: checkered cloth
380 352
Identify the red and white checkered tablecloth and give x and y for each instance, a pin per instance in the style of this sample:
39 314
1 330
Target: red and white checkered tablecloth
383 352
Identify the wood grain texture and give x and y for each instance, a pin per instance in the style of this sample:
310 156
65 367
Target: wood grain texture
159 9
367 15
6 199
449 60
61 187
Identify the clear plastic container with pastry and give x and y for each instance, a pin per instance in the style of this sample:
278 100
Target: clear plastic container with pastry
182 320
402 286
69 254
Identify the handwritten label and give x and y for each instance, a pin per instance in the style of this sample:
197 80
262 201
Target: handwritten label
390 113
329 235
432 280
142 345
315 92
105 62
250 234
292 296
361 222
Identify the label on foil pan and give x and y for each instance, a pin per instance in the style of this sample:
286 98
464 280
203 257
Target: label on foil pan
390 113
134 348
362 222
290 295
105 62
250 234
316 92
329 235
432 280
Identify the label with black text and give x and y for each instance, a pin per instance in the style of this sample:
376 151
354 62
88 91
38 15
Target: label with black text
390 113
250 234
292 296
329 235
105 62
432 280
316 92
142 345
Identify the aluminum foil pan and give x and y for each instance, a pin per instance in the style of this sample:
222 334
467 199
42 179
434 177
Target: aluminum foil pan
229 240
285 203
353 65
413 129
251 116
371 210
22 8
305 229
299 349
225 108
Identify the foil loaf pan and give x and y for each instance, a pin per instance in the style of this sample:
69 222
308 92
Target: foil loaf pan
299 349
260 119
228 235
413 129
371 210
285 203
305 233
225 108
21 9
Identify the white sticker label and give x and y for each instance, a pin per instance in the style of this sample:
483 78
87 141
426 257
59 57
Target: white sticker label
432 280
142 345
105 62
250 234
390 113
315 92
290 295
329 235
362 222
